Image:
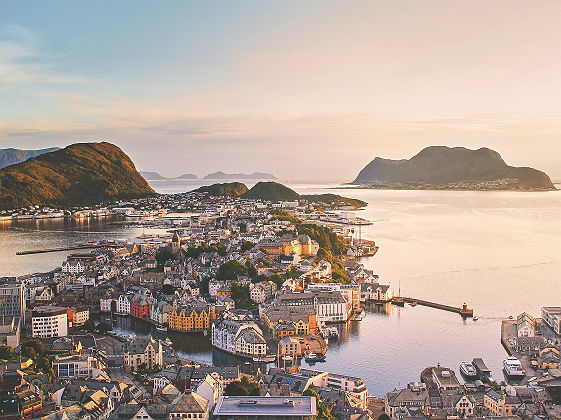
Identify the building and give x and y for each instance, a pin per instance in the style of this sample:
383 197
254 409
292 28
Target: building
43 295
159 313
415 396
552 316
105 303
330 306
77 366
262 291
12 299
191 318
300 245
80 316
289 346
301 318
18 399
50 321
10 333
376 292
143 352
190 406
211 389
501 404
301 408
242 338
78 263
123 305
140 307
354 386
445 379
525 325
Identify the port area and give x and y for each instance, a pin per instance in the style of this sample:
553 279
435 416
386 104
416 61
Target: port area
508 338
463 310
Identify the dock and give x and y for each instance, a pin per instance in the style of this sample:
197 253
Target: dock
68 248
463 310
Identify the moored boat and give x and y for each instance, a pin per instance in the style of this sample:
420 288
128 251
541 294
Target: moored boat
468 371
162 328
313 357
513 368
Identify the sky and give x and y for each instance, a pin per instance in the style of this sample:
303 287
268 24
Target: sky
308 90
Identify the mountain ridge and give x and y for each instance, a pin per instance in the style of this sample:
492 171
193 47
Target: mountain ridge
12 156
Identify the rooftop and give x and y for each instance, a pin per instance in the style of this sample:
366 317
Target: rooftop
270 406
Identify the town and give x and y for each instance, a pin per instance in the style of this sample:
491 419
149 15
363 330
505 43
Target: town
267 284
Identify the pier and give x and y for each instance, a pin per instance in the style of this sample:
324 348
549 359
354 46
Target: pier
68 248
462 310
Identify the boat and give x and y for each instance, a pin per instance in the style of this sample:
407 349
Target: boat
513 368
264 359
468 371
475 318
168 342
414 303
162 328
313 357
483 372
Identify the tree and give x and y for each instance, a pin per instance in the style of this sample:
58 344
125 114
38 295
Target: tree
28 352
277 279
89 325
384 416
244 387
35 345
246 246
240 295
6 352
230 270
323 413
163 255
43 364
103 327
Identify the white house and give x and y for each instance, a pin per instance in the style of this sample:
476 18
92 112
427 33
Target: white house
49 321
123 304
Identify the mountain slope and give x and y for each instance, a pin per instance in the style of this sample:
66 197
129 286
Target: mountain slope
80 174
187 176
152 176
271 191
456 167
14 156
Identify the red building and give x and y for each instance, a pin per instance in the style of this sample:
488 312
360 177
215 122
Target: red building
140 307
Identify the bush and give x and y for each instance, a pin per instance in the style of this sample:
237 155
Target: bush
231 270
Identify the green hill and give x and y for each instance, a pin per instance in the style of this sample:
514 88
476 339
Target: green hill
451 167
271 191
227 189
80 174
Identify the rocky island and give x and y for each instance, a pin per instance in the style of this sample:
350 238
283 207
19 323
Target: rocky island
442 167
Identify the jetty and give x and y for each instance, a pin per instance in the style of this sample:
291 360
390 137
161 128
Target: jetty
462 310
67 248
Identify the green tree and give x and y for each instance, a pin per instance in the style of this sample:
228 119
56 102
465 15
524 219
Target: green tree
244 387
230 270
163 255
323 413
43 364
277 279
103 327
6 352
28 352
246 246
89 325
240 295
34 344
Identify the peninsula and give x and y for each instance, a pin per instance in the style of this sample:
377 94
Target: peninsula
442 167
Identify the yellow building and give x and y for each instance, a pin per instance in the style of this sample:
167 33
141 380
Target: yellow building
191 319
285 321
301 245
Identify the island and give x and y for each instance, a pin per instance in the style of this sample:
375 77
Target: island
442 167
223 175
80 174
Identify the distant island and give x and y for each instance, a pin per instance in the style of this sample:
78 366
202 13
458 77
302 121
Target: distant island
255 175
273 191
80 174
12 156
442 167
155 176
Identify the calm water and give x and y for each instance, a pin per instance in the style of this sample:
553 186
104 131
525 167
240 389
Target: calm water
497 251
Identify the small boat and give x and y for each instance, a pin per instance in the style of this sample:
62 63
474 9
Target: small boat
205 333
513 368
264 359
162 328
413 304
475 318
468 371
313 357
510 317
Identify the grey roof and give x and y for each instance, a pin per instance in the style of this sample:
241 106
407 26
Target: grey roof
190 402
266 406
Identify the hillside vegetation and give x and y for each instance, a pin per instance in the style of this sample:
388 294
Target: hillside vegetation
80 174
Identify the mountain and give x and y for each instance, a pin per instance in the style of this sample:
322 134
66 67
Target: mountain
271 191
255 175
13 156
80 174
152 176
187 176
228 189
444 167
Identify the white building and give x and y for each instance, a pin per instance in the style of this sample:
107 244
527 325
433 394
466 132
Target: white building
123 305
552 316
211 389
77 366
143 351
239 337
80 316
105 304
49 321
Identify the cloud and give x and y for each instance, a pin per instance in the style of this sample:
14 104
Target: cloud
21 63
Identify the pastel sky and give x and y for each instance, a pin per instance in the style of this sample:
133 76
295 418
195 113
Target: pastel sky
307 90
